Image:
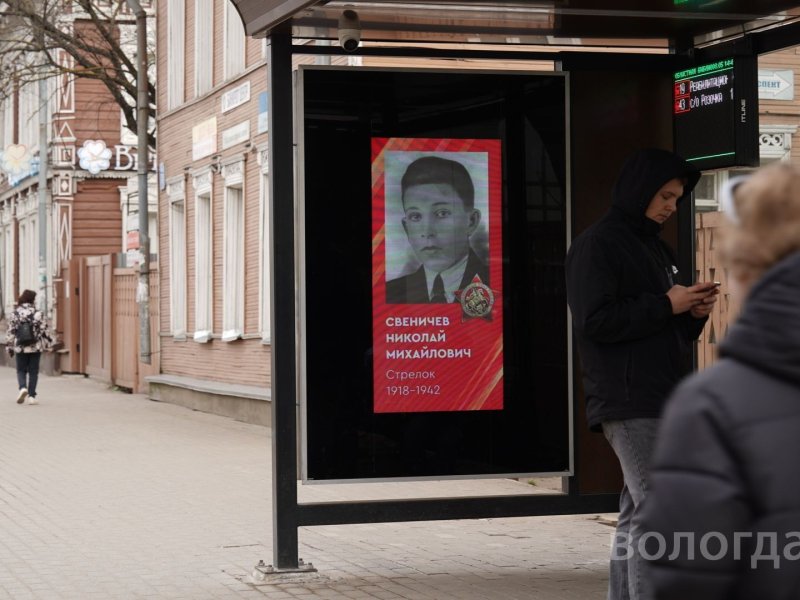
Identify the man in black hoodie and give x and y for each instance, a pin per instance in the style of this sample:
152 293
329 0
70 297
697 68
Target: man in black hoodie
634 324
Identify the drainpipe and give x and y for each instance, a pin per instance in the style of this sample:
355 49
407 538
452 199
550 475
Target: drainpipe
44 305
142 118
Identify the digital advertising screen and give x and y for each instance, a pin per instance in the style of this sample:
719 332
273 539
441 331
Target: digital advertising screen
437 275
433 323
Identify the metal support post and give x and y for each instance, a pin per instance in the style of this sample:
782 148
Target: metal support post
143 159
282 308
687 254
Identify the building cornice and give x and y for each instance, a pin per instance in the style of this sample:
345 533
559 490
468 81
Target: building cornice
231 83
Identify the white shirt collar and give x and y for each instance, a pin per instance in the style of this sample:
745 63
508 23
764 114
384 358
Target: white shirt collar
451 277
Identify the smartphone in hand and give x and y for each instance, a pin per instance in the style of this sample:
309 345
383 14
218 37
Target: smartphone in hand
707 288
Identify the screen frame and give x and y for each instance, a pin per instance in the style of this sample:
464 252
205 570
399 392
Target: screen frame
301 329
745 133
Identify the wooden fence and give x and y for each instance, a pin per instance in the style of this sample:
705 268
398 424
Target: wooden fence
98 321
709 269
128 371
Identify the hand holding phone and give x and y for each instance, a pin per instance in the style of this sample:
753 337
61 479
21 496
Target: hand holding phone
710 292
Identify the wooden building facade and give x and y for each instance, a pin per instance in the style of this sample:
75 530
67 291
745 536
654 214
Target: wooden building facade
213 205
90 158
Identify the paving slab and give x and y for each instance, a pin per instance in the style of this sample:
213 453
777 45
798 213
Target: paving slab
111 496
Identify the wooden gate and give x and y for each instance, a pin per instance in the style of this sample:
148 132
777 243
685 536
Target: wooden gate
126 328
68 314
96 332
127 371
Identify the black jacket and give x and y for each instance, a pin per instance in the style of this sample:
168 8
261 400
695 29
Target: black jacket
632 347
728 456
413 288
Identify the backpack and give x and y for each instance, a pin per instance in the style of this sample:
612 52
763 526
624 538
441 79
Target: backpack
25 335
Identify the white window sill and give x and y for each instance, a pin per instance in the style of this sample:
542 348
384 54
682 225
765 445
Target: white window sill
231 335
202 337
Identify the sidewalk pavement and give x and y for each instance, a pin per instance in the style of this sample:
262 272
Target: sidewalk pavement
106 495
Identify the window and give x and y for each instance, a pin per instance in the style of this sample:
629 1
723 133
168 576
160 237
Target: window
705 193
234 43
7 123
175 52
203 46
264 252
775 144
177 257
4 272
707 190
3 267
204 259
33 255
233 258
7 264
29 105
28 116
22 232
28 254
152 231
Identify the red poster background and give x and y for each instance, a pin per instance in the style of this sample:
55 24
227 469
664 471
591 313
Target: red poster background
405 378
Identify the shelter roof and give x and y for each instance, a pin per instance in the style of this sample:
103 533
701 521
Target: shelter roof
563 24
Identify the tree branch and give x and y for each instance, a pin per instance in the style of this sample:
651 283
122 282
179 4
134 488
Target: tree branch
31 31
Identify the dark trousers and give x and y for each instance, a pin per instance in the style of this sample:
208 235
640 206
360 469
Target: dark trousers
28 371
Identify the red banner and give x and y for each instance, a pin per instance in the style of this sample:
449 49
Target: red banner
437 275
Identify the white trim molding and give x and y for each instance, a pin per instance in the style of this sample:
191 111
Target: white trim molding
202 181
233 250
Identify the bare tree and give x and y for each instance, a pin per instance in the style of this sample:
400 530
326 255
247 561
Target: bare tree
97 35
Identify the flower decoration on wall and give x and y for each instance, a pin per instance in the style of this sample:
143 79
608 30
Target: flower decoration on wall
15 160
94 156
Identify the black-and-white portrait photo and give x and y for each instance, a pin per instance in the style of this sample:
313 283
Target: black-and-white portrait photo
436 224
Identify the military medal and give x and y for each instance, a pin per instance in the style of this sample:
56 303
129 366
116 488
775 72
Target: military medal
477 300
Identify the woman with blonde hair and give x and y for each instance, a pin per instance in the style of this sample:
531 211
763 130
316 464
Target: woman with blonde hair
723 515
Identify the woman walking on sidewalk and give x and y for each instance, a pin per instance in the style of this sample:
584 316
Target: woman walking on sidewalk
28 336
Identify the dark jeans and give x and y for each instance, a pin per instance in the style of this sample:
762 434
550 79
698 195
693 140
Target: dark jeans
28 371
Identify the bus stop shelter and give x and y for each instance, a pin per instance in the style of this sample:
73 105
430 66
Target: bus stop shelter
620 59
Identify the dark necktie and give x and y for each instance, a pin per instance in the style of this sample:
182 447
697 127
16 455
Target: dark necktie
438 297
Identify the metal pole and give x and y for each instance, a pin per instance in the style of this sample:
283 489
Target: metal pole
284 389
142 118
43 164
687 255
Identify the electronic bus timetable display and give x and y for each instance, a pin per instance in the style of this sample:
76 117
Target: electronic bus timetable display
716 113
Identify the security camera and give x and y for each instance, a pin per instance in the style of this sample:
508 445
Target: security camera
349 30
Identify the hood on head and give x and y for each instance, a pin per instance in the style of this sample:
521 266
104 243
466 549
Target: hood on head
642 176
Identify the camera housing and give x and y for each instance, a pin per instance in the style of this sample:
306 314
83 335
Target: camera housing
349 30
